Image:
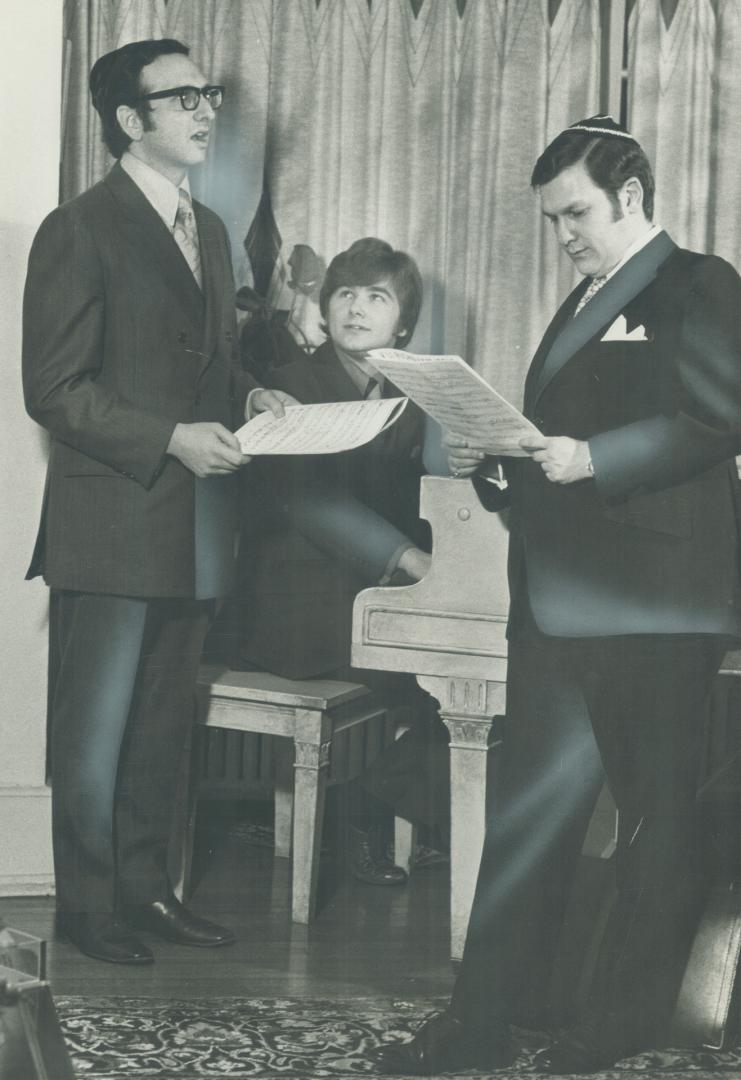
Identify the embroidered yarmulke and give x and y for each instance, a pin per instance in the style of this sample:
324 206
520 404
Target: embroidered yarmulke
600 125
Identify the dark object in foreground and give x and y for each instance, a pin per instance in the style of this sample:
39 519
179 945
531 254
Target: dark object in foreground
444 1045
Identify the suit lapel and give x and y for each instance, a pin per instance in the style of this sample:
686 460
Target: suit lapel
390 391
212 267
612 298
150 236
336 384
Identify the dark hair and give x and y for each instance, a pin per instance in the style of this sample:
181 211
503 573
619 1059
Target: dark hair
115 80
369 261
610 160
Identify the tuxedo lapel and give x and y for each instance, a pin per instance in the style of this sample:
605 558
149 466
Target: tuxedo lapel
612 298
559 320
153 240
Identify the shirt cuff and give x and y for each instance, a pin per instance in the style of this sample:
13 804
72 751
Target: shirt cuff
250 412
393 564
492 471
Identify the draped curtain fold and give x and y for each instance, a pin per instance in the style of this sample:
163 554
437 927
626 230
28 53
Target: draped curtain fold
684 93
418 123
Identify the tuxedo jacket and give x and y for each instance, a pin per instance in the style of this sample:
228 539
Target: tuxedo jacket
119 345
650 545
330 527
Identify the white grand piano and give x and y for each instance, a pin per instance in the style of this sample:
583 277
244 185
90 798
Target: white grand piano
449 630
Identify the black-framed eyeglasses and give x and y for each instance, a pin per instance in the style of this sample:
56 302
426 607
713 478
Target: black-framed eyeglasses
189 96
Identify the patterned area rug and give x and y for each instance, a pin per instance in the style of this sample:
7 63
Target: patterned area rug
134 1039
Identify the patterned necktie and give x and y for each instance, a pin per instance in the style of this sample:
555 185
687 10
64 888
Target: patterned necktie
594 287
185 234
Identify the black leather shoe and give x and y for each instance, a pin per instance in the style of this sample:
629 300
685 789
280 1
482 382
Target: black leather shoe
369 864
102 937
173 922
443 1044
592 1047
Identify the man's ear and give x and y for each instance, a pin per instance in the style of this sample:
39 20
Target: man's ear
130 122
632 195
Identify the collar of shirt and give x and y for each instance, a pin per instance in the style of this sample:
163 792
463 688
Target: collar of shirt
156 188
634 248
360 371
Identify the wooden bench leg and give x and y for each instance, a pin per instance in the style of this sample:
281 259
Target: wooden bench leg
283 798
405 834
312 743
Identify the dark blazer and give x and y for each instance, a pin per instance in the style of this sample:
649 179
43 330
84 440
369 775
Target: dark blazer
651 544
117 350
330 528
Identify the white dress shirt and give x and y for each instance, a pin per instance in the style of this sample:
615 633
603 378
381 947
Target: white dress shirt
156 188
634 248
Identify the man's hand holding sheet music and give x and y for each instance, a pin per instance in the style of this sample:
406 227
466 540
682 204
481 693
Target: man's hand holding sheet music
458 398
463 459
563 460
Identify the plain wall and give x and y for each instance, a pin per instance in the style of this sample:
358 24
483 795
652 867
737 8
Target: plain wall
29 130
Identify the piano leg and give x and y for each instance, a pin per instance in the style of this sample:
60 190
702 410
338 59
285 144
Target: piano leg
467 707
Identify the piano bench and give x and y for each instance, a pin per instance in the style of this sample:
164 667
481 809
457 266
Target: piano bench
312 713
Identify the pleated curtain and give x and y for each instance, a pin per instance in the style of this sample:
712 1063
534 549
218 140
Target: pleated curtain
414 120
684 95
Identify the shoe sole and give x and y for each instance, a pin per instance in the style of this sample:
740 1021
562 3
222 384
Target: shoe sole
138 961
179 941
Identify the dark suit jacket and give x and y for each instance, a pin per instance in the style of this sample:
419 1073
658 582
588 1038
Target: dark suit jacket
331 525
119 345
651 544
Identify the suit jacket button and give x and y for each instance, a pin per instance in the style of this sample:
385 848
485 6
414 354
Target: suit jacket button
182 337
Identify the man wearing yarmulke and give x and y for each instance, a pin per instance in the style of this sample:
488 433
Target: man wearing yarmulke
625 589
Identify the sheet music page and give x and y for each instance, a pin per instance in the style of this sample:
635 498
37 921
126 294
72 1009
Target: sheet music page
458 398
319 429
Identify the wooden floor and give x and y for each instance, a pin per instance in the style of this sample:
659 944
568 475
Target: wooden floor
387 944
367 941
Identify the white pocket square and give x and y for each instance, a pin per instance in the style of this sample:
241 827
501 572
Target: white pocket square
618 331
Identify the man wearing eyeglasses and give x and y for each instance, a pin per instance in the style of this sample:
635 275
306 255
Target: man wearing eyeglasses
128 349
